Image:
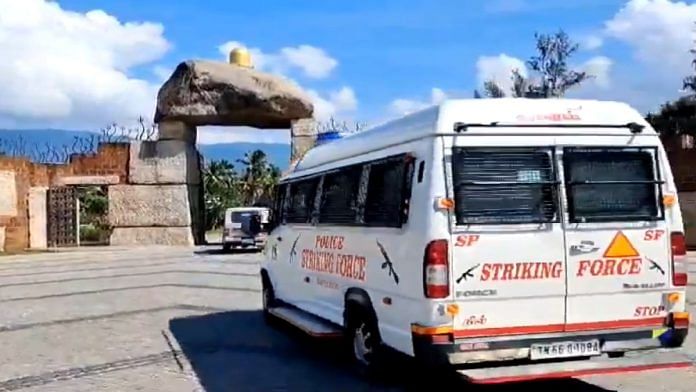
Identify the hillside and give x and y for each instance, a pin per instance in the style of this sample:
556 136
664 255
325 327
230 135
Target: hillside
11 139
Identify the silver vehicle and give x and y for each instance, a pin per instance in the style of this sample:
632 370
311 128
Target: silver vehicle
245 227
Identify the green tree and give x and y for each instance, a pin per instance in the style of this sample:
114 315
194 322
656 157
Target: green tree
221 191
551 75
226 188
258 179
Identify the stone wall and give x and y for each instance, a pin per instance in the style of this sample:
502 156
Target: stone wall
23 187
161 201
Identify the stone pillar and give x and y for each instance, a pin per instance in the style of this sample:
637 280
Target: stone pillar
38 236
177 130
162 202
303 136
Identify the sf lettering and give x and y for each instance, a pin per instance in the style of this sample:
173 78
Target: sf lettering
653 235
467 240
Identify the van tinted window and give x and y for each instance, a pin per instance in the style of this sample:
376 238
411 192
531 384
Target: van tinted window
339 196
504 185
612 184
300 203
388 191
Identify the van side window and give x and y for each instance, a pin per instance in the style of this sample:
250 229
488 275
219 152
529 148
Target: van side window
278 205
388 192
339 196
504 185
612 184
300 202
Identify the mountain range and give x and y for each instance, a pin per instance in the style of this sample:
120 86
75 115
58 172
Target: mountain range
12 140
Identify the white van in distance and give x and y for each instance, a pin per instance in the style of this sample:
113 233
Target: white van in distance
245 227
515 239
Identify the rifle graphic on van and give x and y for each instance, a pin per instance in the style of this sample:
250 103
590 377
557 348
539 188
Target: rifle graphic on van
388 263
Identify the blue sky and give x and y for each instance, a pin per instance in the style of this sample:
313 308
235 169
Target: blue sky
360 61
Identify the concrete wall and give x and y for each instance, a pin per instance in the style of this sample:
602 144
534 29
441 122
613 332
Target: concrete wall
161 204
149 205
123 236
108 164
163 162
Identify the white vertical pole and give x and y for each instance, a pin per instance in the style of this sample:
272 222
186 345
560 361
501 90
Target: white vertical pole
77 219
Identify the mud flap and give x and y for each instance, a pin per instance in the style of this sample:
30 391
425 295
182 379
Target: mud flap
632 362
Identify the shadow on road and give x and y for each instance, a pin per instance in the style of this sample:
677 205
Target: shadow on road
236 351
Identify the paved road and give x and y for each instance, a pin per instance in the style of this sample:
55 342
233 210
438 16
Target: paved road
168 319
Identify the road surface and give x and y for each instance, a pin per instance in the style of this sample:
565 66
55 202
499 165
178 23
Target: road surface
177 319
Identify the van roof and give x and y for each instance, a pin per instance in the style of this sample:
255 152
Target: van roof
538 116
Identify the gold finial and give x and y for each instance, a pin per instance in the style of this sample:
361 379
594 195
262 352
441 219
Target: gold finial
240 57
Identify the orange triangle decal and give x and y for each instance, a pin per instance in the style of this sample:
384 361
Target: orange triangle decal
620 246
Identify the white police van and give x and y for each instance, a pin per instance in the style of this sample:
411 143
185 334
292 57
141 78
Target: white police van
516 239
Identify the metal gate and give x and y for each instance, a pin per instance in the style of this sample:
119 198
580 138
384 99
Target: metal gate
62 216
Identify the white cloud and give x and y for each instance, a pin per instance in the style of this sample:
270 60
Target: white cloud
344 99
71 69
403 106
311 61
592 42
339 102
599 68
162 73
659 31
499 69
217 135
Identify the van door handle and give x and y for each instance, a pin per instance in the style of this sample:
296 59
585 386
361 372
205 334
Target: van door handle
306 279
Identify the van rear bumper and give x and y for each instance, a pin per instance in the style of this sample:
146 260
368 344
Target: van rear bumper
636 362
502 349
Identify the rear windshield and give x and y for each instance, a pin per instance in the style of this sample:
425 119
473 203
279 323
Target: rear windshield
242 216
612 184
504 185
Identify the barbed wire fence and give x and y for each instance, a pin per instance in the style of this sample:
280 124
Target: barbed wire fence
52 153
343 127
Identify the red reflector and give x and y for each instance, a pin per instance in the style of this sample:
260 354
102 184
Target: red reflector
678 244
681 323
680 276
441 338
436 270
680 279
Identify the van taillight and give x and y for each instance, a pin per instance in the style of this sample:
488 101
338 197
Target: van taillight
436 270
680 269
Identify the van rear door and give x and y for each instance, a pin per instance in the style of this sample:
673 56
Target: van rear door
618 245
508 251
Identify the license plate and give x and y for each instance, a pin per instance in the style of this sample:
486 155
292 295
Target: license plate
565 349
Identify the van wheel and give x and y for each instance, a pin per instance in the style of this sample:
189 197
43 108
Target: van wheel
365 343
226 247
268 301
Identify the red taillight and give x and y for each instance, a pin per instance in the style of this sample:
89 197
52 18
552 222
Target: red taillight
436 270
680 271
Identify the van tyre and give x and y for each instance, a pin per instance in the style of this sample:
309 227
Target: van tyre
268 301
364 343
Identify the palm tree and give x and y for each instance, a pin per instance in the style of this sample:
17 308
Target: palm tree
220 183
258 176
